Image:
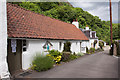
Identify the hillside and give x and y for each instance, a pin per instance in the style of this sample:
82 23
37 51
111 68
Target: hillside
64 11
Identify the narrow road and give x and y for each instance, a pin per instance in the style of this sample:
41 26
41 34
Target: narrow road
98 65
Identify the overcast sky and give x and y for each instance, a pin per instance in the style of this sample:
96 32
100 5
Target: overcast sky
100 9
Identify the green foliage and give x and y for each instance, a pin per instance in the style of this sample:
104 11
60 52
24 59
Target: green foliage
101 44
72 57
55 55
99 49
31 6
92 50
95 42
66 56
115 31
67 47
80 54
42 63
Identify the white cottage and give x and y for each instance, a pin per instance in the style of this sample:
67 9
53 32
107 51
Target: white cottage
30 33
93 39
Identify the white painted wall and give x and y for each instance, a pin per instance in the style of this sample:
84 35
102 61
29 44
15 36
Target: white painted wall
75 46
90 44
4 73
83 46
104 43
36 46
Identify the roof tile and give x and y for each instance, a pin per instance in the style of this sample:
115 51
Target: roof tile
23 23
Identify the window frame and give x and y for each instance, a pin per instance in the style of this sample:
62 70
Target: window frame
24 46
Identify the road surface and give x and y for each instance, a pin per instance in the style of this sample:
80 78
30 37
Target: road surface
98 65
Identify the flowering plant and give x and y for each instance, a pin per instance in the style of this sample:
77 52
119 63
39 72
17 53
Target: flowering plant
55 55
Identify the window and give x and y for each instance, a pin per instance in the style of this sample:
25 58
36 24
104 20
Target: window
82 48
24 45
60 44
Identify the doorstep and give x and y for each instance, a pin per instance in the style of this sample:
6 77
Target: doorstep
21 73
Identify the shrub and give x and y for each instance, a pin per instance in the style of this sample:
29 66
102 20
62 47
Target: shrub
101 44
65 56
91 51
95 42
80 54
72 57
42 63
55 55
74 53
99 49
67 47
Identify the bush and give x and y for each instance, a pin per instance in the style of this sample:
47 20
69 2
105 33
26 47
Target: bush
91 51
67 47
42 63
80 54
65 56
101 44
95 42
55 55
99 49
72 57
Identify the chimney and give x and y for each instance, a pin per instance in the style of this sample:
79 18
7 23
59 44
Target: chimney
76 23
87 28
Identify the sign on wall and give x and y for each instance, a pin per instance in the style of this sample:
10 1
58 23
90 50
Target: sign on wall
47 45
13 45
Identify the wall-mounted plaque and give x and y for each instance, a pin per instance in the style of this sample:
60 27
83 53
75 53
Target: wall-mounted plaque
13 45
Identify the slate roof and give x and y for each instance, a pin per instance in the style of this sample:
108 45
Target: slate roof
23 23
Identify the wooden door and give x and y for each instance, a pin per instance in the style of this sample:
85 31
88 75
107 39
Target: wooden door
14 59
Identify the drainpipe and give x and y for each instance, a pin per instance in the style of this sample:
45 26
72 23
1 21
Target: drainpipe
4 73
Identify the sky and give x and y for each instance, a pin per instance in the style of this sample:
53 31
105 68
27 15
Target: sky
100 9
